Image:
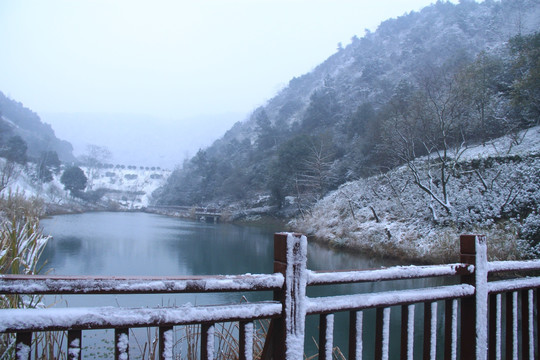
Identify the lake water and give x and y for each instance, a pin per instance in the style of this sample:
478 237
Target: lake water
146 244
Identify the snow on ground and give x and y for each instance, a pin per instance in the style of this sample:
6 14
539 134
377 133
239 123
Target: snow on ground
127 188
388 214
131 188
528 142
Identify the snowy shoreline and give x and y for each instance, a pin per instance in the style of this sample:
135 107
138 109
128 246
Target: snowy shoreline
495 192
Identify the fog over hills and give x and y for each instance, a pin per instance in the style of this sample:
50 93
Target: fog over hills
342 120
142 140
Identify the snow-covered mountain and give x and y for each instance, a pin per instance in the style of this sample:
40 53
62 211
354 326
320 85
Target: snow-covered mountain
340 113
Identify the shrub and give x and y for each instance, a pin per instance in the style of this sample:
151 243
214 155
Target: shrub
74 179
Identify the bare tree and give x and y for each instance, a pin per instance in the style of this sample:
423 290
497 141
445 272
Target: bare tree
8 172
429 129
481 83
316 167
94 157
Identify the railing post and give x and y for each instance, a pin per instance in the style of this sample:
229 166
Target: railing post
121 344
207 341
355 334
23 343
245 346
74 339
450 329
407 331
290 257
430 330
511 325
474 312
326 336
166 334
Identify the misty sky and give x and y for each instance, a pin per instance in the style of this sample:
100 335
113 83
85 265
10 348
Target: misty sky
171 59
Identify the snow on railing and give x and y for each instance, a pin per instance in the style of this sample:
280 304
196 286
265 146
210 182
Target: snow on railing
502 266
393 273
43 284
467 306
13 320
329 304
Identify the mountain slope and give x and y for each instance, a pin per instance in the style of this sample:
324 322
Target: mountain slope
332 125
496 193
15 119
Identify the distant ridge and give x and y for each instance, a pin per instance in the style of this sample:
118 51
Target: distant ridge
15 119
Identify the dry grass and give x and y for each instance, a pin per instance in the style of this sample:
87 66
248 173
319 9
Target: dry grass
186 341
21 245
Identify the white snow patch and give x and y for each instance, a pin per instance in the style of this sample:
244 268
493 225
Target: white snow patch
454 327
122 345
358 341
410 332
329 335
168 342
405 225
433 341
131 192
481 274
23 351
210 341
248 330
74 348
385 334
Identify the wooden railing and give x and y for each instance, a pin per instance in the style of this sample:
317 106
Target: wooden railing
474 320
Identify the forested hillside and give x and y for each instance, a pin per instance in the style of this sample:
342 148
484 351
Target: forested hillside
19 121
491 189
428 82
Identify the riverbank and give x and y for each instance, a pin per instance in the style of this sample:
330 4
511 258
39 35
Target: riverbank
403 241
242 217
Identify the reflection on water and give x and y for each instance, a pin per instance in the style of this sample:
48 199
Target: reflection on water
147 244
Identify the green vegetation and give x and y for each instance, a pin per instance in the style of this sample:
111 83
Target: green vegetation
48 163
74 180
15 150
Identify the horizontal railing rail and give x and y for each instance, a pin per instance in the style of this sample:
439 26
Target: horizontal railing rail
500 286
26 321
16 320
509 266
393 273
474 314
50 284
330 304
